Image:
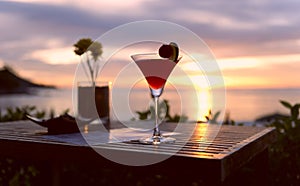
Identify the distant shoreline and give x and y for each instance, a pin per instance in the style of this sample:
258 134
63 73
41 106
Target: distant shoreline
12 83
28 91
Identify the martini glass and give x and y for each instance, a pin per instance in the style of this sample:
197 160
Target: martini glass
156 70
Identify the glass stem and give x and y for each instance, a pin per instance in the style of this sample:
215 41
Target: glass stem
156 129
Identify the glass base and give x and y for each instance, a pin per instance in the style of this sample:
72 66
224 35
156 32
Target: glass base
156 140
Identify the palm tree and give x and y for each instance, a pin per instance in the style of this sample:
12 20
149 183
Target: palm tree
93 51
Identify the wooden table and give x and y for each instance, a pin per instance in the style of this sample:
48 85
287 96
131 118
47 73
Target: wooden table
213 160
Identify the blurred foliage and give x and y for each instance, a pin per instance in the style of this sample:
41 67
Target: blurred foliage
285 153
212 118
11 171
19 113
163 113
229 121
16 173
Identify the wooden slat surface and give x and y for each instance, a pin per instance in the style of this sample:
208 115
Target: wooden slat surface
228 139
231 143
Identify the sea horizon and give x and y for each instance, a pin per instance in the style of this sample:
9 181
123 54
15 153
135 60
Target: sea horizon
243 105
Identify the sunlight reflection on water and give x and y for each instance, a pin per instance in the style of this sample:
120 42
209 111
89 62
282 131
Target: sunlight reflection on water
244 105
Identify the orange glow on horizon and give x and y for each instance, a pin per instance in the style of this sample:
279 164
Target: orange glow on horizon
248 56
270 71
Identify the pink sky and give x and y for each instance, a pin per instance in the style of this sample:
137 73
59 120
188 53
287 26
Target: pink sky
256 42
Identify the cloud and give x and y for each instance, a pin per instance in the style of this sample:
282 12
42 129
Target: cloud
50 19
111 7
257 61
54 56
228 22
32 30
214 19
275 75
1 63
40 72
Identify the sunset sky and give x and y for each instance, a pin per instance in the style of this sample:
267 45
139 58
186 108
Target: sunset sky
256 42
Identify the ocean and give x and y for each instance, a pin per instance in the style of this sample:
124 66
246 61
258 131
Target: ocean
243 105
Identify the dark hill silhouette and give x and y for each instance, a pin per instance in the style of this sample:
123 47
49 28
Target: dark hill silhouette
11 83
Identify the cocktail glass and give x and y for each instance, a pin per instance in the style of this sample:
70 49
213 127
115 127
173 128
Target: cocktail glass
156 70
